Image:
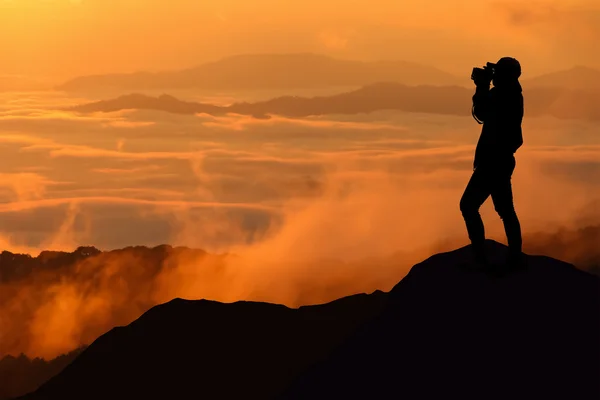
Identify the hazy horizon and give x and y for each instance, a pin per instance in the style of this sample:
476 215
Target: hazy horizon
61 39
22 82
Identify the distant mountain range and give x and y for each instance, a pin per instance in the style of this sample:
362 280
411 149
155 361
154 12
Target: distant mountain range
446 330
449 100
268 71
303 71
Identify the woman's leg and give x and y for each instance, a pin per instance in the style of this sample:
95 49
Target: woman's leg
476 193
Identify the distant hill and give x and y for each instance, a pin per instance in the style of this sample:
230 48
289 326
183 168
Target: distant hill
445 331
36 276
449 100
21 375
268 71
576 78
138 101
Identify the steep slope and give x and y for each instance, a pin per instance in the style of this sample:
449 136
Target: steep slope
445 330
268 71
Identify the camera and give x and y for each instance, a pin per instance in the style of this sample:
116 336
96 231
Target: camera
485 74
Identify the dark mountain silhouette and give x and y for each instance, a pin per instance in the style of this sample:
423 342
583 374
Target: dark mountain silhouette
449 100
268 71
576 78
445 331
21 375
451 333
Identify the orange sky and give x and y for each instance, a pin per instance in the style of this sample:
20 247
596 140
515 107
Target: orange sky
286 195
63 38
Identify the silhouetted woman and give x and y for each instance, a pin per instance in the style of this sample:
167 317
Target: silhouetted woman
501 112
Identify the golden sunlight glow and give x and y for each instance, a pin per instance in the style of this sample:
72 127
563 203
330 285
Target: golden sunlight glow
63 38
353 199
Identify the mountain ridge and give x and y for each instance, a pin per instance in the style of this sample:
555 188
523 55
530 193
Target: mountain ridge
267 71
446 100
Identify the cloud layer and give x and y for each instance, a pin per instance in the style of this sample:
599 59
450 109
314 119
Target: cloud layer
307 209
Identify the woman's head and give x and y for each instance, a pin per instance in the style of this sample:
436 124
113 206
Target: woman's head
506 71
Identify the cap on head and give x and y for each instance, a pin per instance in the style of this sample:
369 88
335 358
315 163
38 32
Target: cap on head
509 67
